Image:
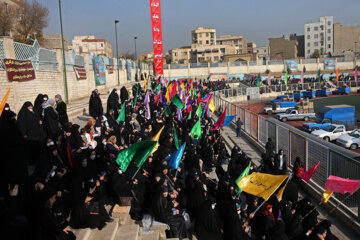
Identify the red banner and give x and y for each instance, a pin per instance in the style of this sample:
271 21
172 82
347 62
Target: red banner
80 72
19 70
155 11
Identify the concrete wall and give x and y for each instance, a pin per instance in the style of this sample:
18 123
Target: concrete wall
52 82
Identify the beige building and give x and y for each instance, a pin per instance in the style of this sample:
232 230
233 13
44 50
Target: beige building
263 52
213 53
53 41
180 55
281 48
203 36
92 46
345 38
239 41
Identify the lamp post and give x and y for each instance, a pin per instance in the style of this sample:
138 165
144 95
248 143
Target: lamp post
63 53
117 52
136 64
355 50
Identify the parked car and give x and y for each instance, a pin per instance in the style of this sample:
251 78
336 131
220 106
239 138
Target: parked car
331 132
351 140
342 91
279 107
293 114
318 124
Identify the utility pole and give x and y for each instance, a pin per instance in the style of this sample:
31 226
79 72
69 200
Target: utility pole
117 52
136 64
63 53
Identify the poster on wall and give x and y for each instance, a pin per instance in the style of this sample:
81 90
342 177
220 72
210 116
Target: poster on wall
80 72
99 69
329 64
17 70
128 70
110 69
292 65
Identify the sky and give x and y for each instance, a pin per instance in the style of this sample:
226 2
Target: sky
255 19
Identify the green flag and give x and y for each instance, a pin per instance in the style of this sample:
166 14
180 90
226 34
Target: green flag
136 96
196 130
258 80
140 151
189 117
318 75
157 89
286 78
176 140
198 111
121 117
167 111
177 101
243 174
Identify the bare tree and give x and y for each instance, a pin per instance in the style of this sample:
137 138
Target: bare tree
34 18
7 20
128 55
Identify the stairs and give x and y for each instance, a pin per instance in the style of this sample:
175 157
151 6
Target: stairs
122 228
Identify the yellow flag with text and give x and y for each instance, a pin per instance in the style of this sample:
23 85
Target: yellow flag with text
261 184
326 196
156 138
280 193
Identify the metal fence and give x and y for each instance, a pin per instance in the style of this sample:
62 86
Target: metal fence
72 59
334 160
42 59
2 54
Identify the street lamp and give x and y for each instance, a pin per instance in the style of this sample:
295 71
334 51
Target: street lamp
117 52
136 67
355 50
63 53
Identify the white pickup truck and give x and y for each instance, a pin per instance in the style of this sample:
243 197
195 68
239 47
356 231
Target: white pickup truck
331 132
293 114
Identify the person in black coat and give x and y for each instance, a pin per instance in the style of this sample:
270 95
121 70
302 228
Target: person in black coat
123 94
281 163
61 109
38 105
51 120
95 105
113 102
269 146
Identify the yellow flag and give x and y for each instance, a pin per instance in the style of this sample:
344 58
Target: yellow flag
261 184
3 102
156 138
212 106
326 196
280 193
145 84
167 95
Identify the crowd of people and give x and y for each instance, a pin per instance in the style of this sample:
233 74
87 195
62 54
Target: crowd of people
57 176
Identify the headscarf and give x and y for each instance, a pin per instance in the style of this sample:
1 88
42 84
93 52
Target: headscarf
59 97
267 212
49 103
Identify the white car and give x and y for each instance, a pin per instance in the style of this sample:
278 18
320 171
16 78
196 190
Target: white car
331 132
351 140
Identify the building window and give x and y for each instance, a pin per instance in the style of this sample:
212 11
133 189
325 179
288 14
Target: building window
316 44
200 35
308 29
329 38
308 36
264 50
308 51
212 35
329 23
329 45
216 58
200 42
329 30
316 28
308 44
208 58
175 54
207 41
316 35
102 45
222 50
207 34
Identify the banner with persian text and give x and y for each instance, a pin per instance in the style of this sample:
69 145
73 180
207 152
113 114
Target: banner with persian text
155 11
17 70
80 72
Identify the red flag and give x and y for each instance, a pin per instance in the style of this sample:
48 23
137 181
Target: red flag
207 105
174 90
206 100
342 185
69 154
220 122
308 174
157 98
155 11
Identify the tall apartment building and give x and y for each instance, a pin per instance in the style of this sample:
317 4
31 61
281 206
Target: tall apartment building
281 48
203 36
263 52
180 55
319 36
346 39
240 42
92 46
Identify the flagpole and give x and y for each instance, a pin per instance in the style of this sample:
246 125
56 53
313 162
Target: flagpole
136 173
259 207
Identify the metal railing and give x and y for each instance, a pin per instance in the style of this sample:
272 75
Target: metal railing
2 54
334 160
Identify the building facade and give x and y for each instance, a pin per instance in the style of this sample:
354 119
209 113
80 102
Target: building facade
263 52
240 42
300 47
203 36
180 55
319 36
250 47
214 53
91 45
53 41
281 48
346 39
